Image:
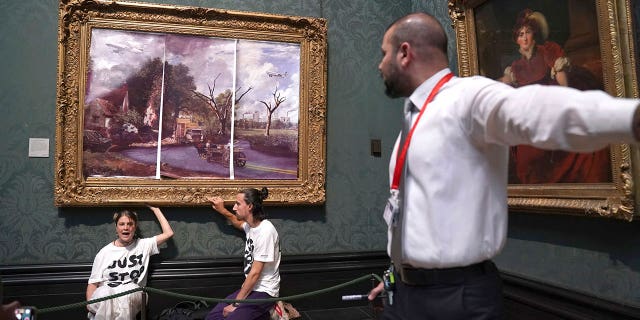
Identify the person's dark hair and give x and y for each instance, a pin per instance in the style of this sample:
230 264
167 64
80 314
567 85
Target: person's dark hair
255 197
424 33
131 215
526 19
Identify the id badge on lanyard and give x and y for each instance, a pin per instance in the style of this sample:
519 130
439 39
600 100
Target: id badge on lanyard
394 204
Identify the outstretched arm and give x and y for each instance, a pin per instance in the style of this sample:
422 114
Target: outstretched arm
167 232
218 204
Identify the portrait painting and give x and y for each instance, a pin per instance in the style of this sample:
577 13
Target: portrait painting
548 43
580 44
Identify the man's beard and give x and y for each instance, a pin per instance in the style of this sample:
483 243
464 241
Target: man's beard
392 85
390 89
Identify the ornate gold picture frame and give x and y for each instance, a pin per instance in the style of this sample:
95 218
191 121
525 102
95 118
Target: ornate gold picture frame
592 55
167 105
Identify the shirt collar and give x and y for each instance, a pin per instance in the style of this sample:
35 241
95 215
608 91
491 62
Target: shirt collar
420 94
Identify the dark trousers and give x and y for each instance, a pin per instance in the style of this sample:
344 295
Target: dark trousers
246 311
472 297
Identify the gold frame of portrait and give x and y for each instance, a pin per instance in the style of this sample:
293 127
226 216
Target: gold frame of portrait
76 20
614 199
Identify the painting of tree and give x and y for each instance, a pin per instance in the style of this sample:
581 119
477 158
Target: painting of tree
278 99
221 104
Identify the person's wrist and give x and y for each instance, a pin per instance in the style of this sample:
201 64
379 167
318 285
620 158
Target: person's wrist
235 304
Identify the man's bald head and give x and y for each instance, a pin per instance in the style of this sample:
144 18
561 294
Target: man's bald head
423 32
414 48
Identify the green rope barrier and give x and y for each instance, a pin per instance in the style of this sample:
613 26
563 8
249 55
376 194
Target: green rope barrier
84 303
191 297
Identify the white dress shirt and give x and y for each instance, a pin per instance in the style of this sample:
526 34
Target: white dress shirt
456 182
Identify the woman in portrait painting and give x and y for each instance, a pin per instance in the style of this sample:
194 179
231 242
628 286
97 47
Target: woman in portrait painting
544 62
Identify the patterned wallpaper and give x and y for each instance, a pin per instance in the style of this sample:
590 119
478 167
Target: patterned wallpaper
34 231
594 256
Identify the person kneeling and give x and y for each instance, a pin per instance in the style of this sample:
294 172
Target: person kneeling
261 258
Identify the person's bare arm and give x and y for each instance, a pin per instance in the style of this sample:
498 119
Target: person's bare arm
251 279
91 288
247 285
167 232
561 78
218 205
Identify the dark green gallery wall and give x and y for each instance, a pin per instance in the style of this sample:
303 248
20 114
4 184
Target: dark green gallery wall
34 231
593 256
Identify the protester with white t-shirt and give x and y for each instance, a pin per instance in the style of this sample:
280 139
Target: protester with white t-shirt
123 265
261 258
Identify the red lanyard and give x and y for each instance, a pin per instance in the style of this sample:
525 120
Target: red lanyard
402 156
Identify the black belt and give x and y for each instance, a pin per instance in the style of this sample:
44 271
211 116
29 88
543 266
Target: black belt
424 277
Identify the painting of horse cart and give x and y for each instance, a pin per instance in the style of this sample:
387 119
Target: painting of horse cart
220 154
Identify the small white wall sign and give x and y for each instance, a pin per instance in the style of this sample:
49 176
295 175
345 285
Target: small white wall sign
38 147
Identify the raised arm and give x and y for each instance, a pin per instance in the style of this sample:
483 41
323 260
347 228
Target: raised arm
218 205
167 232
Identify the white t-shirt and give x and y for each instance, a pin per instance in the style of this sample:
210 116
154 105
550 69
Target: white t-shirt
116 266
263 244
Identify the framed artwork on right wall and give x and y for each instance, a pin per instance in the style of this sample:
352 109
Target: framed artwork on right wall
547 42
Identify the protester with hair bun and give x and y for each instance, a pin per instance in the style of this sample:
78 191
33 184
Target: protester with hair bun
261 257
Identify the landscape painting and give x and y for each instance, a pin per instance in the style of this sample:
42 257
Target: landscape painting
167 105
201 97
